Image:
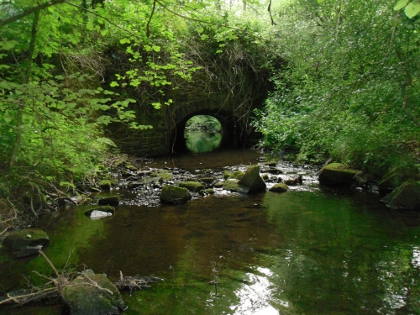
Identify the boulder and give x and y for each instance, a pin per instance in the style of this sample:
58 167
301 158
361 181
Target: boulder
192 186
279 188
108 200
105 184
26 242
232 185
207 180
274 171
93 294
252 180
233 174
298 180
174 195
337 174
99 212
405 196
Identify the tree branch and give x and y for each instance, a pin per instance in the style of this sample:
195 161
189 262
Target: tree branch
30 11
101 17
150 19
271 15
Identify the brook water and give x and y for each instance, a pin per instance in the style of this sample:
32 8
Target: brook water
306 251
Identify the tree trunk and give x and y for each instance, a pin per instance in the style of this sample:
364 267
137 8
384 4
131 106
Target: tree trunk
26 80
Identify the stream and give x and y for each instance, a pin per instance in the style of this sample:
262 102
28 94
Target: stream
306 251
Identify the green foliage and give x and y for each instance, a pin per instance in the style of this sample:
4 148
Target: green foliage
350 90
411 8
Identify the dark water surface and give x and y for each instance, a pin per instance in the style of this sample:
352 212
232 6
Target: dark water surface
294 253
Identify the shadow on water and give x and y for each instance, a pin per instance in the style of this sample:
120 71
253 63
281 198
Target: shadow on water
299 253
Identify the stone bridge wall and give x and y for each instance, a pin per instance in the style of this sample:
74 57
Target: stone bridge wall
167 134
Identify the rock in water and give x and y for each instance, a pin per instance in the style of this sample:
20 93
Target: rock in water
279 188
26 242
97 214
252 180
192 186
174 195
233 185
337 174
406 196
92 293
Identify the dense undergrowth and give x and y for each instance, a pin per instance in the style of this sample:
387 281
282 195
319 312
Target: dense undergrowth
345 75
351 90
69 69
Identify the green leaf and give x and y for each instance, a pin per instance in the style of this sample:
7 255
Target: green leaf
412 9
156 105
401 4
114 84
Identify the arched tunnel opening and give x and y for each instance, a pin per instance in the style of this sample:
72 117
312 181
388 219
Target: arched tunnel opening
205 132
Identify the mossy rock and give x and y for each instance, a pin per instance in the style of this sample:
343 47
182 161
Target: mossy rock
233 185
26 242
219 184
174 195
108 200
207 180
233 174
252 180
337 174
209 191
163 175
406 196
192 186
279 188
93 294
105 184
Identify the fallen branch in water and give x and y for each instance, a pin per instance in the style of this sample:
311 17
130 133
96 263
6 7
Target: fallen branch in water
29 297
135 283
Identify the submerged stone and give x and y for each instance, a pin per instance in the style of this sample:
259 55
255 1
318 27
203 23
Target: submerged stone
279 188
174 195
92 293
337 174
406 196
252 180
192 186
26 242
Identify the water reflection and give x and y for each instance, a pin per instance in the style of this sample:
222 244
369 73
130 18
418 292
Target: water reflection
302 253
254 298
203 133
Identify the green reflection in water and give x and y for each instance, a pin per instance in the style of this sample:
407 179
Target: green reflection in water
69 235
341 256
302 253
203 133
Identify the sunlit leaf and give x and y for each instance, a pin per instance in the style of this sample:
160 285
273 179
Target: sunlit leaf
413 9
401 4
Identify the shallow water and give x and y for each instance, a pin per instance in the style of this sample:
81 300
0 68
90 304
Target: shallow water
301 252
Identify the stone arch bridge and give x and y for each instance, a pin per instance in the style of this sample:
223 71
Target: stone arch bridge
167 135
